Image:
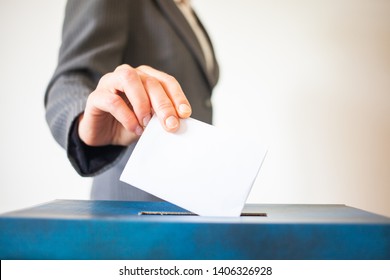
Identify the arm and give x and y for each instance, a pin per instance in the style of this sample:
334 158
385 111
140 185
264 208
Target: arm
94 115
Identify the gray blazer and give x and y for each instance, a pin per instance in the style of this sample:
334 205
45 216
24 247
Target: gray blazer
99 35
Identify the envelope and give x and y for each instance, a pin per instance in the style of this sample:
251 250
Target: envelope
201 168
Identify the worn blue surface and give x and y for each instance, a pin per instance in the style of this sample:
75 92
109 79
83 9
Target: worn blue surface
68 229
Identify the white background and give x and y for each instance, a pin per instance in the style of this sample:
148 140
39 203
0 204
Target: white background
312 78
109 269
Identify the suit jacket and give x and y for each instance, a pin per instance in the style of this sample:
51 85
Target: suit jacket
99 35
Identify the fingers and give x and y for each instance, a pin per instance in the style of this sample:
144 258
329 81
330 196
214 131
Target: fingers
147 88
104 101
173 90
130 95
126 80
161 103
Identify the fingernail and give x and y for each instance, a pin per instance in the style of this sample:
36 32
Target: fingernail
171 122
139 131
184 109
146 120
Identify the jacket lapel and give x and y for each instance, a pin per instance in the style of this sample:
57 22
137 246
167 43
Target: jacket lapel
184 30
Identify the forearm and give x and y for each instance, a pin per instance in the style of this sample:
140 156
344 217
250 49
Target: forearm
92 44
65 102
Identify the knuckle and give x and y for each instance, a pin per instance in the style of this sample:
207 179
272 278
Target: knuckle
142 110
95 96
130 124
171 80
143 67
122 67
127 74
113 101
151 81
173 86
164 107
104 79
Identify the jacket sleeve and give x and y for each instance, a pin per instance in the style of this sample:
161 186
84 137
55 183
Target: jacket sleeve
94 36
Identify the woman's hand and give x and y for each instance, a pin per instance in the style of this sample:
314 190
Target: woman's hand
123 103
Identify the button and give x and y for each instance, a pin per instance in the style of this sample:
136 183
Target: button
208 103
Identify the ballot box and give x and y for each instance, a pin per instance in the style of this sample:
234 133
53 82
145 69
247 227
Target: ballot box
73 229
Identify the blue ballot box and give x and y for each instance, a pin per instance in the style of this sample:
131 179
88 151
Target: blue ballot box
71 229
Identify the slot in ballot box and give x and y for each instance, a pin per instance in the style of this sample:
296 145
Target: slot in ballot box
71 229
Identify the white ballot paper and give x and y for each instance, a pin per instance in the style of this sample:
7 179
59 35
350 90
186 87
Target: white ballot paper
200 168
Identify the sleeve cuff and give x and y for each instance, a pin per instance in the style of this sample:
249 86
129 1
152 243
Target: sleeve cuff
87 160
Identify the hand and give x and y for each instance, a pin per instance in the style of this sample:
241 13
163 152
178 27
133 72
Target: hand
123 103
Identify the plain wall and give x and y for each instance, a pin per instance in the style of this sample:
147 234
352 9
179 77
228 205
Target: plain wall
311 78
